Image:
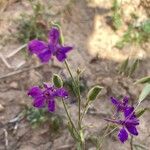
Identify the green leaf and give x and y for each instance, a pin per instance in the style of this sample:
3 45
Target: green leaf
139 146
56 122
81 135
124 66
93 93
145 92
133 67
140 112
146 26
73 133
57 81
143 80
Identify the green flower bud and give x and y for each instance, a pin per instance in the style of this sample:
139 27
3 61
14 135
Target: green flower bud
57 81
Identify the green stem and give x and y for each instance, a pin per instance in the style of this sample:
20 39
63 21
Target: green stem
104 136
100 141
131 143
85 110
68 115
77 93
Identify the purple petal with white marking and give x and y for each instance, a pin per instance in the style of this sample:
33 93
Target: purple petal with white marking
128 111
61 92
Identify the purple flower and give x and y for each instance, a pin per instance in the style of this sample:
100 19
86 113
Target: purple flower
46 96
128 123
120 105
45 50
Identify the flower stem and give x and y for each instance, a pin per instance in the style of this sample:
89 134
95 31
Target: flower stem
85 110
100 140
77 93
131 142
105 135
69 118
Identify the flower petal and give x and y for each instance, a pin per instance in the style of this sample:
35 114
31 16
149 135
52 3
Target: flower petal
66 49
35 92
37 46
132 129
61 56
125 100
48 85
132 121
45 56
114 101
128 111
51 105
54 35
39 102
61 92
123 135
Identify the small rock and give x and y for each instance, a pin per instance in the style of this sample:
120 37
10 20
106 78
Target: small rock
89 83
2 108
27 147
45 146
13 85
92 148
107 81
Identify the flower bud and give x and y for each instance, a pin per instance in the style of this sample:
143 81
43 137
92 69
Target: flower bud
57 81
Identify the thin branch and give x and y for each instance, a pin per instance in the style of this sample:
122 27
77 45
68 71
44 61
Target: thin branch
16 51
6 138
5 61
19 71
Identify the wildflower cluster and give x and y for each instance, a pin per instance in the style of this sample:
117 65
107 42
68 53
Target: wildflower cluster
46 96
129 121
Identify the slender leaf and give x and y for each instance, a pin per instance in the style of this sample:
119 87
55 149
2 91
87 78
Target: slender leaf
143 80
145 92
93 93
133 67
124 66
140 112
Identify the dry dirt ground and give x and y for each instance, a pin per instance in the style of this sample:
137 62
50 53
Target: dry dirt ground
85 25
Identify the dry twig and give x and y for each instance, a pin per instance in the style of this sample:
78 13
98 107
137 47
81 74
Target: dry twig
6 138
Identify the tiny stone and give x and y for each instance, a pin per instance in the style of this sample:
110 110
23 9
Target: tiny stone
92 148
107 81
2 108
13 85
27 147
